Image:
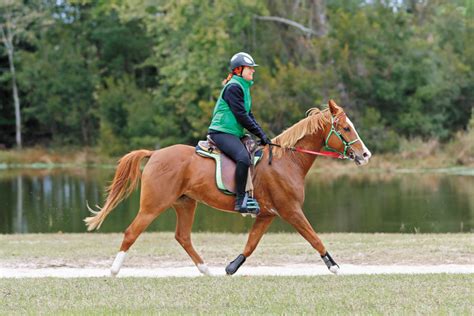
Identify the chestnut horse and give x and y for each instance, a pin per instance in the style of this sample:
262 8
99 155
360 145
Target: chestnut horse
177 177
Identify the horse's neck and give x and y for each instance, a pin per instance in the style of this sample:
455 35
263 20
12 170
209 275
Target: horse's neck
304 161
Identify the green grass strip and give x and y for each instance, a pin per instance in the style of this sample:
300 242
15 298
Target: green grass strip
377 294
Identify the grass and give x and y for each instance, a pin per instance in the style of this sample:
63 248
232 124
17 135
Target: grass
218 249
346 295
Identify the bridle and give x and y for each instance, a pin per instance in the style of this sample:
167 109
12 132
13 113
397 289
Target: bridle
347 144
328 152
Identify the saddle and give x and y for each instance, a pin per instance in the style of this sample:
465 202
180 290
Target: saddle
225 167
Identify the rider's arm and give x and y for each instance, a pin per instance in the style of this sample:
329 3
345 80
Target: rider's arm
234 96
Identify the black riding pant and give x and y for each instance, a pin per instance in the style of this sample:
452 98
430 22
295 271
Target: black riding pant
235 149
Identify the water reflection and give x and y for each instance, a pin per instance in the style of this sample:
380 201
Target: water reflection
55 200
20 224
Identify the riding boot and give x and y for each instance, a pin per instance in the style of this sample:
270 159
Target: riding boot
241 174
243 203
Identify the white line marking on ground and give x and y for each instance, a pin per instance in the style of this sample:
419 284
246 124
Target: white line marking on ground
192 271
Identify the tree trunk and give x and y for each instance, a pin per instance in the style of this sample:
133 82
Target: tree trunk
16 100
319 17
8 41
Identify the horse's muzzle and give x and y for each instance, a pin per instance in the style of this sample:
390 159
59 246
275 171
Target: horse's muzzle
364 159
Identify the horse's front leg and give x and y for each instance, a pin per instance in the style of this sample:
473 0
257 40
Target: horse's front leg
258 229
298 220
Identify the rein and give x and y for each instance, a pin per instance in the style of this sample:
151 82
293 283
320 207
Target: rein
330 152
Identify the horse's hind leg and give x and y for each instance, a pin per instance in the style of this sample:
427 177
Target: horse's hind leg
258 229
139 224
151 206
185 208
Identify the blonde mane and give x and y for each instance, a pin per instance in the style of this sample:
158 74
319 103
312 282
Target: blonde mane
314 121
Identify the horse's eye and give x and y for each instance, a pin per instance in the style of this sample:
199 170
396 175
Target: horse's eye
347 129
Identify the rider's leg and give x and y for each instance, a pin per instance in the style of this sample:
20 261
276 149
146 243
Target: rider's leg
233 147
241 174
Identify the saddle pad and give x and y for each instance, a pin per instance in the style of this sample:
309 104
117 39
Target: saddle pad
225 167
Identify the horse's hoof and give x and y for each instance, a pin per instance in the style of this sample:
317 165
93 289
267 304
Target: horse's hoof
118 262
235 265
330 263
334 269
204 269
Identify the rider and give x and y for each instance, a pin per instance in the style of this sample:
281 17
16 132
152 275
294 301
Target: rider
231 115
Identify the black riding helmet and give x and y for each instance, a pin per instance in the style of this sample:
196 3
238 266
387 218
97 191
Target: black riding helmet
241 59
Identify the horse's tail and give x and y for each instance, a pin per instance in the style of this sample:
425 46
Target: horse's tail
125 180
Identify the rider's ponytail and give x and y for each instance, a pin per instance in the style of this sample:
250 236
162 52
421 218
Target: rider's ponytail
229 76
236 71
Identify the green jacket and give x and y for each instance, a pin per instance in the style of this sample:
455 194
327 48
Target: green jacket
223 120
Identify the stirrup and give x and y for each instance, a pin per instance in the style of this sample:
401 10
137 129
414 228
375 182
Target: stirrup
248 206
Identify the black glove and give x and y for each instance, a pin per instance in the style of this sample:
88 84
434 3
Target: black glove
265 140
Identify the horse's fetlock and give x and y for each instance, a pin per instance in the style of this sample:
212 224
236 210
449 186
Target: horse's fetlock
128 240
319 246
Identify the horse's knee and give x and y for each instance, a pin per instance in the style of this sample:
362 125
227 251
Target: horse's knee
182 239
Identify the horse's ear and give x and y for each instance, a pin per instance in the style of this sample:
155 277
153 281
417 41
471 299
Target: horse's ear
334 108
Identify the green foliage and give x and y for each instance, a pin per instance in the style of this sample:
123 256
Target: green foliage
122 46
141 73
405 69
192 64
462 148
59 87
376 135
470 126
283 98
126 114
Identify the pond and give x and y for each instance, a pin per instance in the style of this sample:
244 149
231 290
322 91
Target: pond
53 200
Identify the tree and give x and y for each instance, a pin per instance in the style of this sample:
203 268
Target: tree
194 40
129 73
15 20
60 80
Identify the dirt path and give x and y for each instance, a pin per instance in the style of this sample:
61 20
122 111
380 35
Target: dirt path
191 271
158 254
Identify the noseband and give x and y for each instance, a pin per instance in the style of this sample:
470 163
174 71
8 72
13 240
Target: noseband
347 145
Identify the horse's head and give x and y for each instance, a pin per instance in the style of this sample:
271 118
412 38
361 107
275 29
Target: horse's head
343 138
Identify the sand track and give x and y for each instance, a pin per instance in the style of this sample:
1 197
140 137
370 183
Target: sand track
191 271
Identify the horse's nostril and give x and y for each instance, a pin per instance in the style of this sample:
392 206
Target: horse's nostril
365 155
